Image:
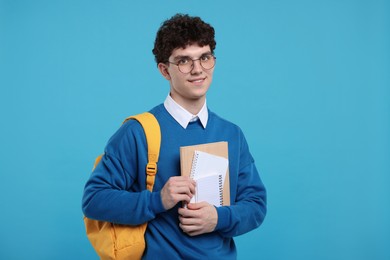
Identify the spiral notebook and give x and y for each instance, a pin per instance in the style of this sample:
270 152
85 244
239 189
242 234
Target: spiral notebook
209 189
208 165
209 172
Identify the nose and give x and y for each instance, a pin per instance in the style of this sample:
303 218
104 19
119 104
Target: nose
196 67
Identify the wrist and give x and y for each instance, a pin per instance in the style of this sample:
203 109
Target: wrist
223 218
156 204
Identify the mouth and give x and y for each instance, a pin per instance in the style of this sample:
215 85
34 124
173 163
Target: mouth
197 80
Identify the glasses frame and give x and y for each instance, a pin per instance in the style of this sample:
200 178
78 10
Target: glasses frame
192 65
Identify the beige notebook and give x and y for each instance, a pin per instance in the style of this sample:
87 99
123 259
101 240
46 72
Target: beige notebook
219 149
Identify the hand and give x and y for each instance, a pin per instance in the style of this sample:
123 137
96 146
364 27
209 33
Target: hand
176 189
198 218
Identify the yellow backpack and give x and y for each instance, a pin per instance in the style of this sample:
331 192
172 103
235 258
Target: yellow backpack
114 241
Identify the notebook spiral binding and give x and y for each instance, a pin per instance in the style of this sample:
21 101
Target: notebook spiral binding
194 163
220 190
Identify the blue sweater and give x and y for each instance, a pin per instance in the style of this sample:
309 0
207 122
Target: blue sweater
116 191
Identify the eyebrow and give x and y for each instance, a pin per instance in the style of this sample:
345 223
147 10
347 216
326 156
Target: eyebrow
179 57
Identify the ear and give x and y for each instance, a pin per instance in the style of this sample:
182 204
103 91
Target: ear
163 68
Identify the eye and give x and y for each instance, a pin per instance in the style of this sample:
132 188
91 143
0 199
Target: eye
205 57
183 61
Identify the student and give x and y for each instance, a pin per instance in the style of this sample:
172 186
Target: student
184 52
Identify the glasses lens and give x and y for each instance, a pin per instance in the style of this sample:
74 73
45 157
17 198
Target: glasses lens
186 68
208 62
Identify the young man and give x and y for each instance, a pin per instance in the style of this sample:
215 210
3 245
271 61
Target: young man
184 52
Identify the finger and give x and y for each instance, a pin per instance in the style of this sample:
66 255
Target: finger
187 213
189 221
182 179
197 206
190 184
194 233
182 190
178 194
182 198
172 191
189 217
190 229
185 180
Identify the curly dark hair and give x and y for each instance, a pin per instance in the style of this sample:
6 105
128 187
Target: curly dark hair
178 32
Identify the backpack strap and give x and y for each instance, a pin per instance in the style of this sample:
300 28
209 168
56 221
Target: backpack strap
153 139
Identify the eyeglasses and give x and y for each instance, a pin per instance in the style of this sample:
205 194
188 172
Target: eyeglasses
186 64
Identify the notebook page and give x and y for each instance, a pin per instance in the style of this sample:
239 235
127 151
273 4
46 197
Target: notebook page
209 189
205 164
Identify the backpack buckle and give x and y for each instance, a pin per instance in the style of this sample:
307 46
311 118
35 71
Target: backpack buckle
151 169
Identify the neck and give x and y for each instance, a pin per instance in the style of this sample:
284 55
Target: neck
192 106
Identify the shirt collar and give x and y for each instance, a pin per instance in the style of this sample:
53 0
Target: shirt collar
182 116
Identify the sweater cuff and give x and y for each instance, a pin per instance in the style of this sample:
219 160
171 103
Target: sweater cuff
223 218
156 205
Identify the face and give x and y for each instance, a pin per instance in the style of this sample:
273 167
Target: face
191 88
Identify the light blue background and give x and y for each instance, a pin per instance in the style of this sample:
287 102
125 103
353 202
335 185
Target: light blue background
308 82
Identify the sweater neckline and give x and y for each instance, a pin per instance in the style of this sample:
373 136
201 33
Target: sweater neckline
196 125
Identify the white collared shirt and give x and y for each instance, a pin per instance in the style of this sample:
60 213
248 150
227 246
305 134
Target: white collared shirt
182 116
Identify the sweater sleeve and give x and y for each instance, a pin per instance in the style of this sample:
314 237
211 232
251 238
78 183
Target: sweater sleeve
248 209
113 192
